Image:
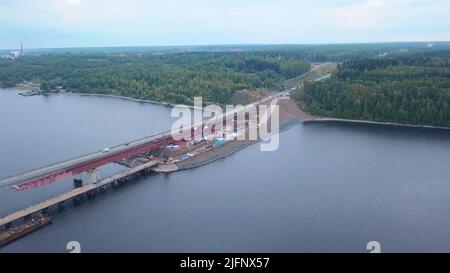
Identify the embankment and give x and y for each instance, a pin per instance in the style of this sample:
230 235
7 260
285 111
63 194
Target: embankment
290 116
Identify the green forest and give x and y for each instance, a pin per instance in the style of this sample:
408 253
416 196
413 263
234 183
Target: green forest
409 89
393 82
170 77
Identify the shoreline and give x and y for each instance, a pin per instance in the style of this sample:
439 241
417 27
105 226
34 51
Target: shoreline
310 118
361 121
162 103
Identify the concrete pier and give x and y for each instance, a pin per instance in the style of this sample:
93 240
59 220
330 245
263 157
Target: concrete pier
77 182
61 206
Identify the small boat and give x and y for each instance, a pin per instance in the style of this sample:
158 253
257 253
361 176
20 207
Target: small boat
29 93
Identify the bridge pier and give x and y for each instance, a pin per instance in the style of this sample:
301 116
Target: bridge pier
78 181
115 184
27 217
91 194
61 206
92 176
77 200
44 211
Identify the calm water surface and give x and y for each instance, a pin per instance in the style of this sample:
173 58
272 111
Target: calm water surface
329 187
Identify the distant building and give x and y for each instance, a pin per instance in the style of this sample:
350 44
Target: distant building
13 55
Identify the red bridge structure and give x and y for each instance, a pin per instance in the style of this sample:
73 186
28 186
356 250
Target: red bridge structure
90 162
62 170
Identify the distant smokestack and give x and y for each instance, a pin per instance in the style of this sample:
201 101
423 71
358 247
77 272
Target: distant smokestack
21 49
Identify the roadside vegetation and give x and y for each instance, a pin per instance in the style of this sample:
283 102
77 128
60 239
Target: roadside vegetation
408 89
171 77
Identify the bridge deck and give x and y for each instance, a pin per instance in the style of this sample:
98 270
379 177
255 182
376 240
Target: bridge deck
74 193
57 167
71 167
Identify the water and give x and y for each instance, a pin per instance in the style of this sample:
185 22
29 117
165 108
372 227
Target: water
329 187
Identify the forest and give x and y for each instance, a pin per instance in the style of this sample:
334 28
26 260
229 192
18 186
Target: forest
169 77
407 89
393 82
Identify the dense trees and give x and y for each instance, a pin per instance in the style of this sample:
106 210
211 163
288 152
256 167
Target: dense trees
412 89
405 83
172 77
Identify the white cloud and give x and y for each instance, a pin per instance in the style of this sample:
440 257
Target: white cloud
73 2
374 2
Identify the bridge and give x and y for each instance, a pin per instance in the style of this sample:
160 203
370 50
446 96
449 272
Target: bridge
69 168
90 162
76 193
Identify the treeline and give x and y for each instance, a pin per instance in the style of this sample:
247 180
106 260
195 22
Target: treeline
170 77
412 89
313 53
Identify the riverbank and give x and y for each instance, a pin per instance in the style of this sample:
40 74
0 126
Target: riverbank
167 104
325 119
112 96
309 118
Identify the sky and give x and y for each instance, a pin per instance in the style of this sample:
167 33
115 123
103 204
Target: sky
98 23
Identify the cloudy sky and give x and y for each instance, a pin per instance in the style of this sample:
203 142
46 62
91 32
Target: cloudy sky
81 23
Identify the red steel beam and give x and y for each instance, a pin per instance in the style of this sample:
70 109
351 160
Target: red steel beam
95 163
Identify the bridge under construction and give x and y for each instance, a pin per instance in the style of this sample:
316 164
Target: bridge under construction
76 167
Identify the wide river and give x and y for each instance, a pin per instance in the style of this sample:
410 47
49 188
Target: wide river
328 188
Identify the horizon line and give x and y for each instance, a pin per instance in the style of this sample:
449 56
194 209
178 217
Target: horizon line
227 44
